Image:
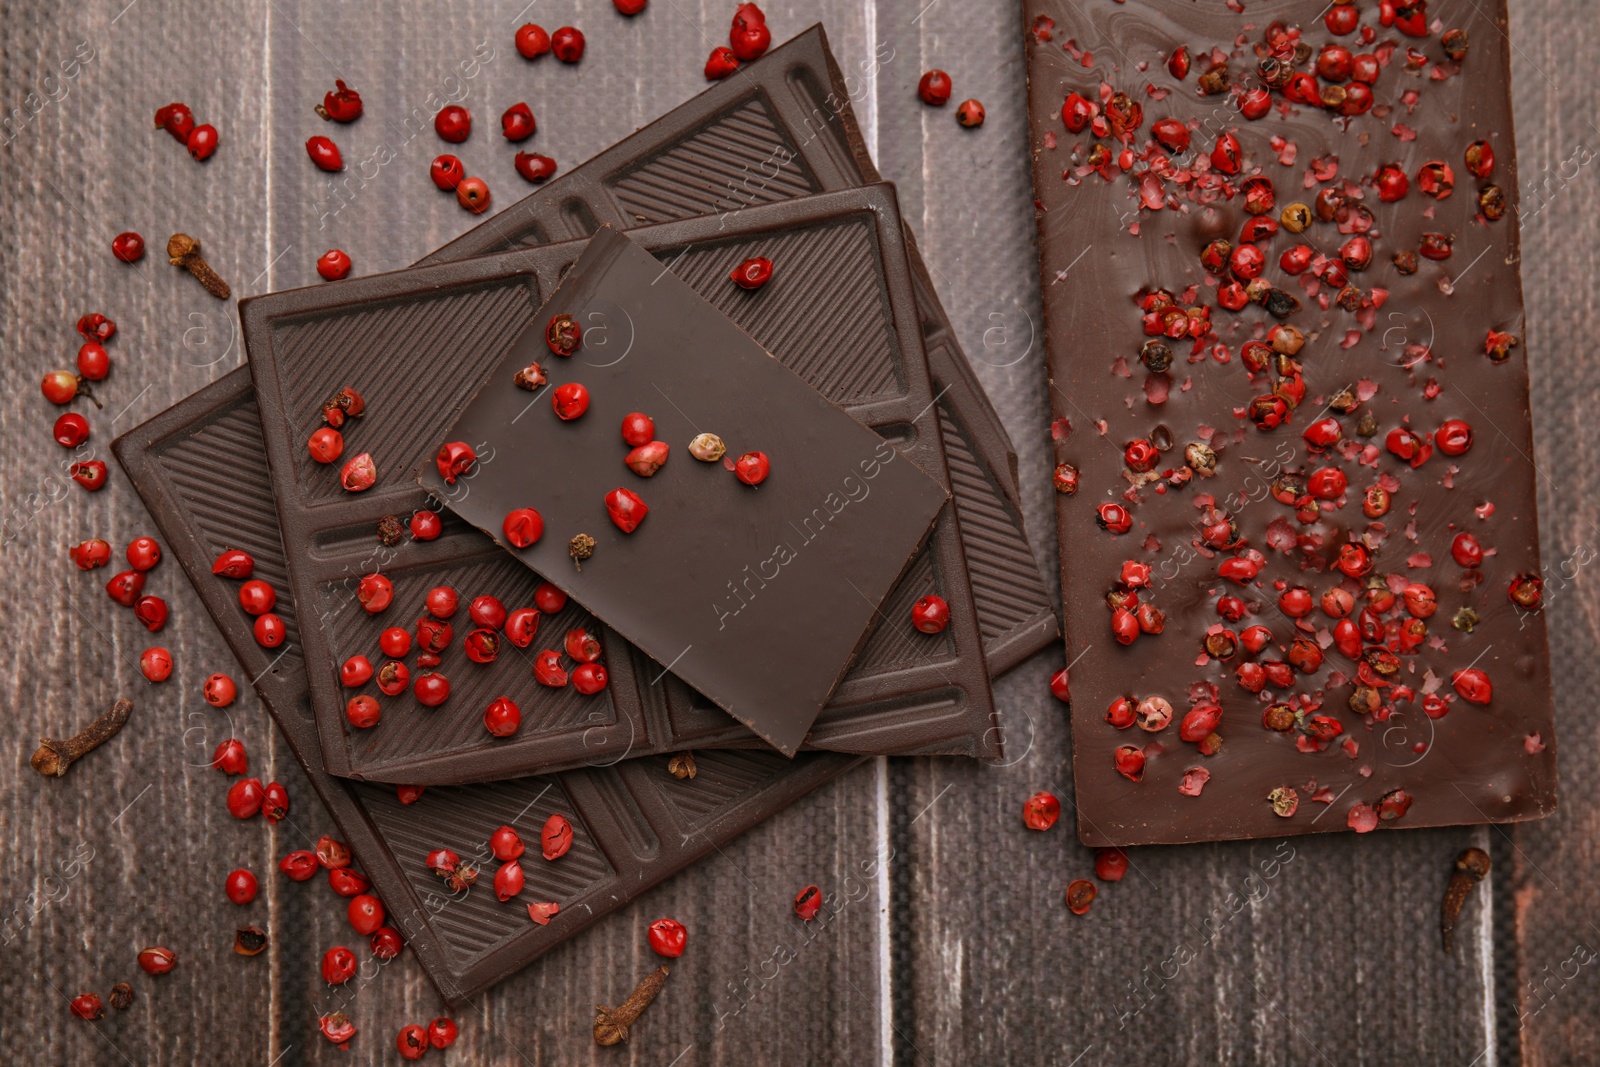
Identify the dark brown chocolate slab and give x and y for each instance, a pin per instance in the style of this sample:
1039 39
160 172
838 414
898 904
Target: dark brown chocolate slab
782 127
906 693
1474 764
719 578
634 825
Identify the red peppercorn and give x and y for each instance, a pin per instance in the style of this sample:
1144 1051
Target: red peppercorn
647 459
87 1006
275 803
94 362
219 690
589 678
324 153
508 881
363 712
332 853
234 564
626 509
1295 602
202 142
177 120
1110 864
569 401
91 474
566 44
506 844
326 443
1327 483
1040 811
446 172
386 943
347 881
245 798
582 645
240 886
128 247
61 386
487 611
637 429
355 672
720 63
1466 551
426 525
521 625
1114 518
1129 762
433 635
257 597
549 598
753 273
339 966
1526 591
442 1032
970 114
453 123
532 41
934 88
91 554
522 527
555 839
431 689
1473 685
482 645
333 265
1255 103
1247 262
748 38
517 123
534 167
270 630
473 194
1171 134
156 664
808 902
359 474
365 913
752 468
340 104
299 865
157 960
1076 113
71 430
441 601
1226 156
230 758
668 938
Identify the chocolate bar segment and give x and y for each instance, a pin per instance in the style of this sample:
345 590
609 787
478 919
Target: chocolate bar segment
783 127
1279 258
843 251
718 578
633 825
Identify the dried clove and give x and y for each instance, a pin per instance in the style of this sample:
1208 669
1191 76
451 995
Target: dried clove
580 548
184 251
1471 866
54 757
682 765
611 1024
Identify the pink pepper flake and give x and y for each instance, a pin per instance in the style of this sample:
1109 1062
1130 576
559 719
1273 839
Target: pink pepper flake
1060 429
1119 367
1324 795
1419 561
1363 819
1156 388
1194 780
1351 747
1533 744
1485 509
1351 339
1404 132
541 913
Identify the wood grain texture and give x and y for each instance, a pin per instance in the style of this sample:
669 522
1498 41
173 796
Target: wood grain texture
963 933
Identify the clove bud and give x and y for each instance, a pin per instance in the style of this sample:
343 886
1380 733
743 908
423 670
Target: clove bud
53 757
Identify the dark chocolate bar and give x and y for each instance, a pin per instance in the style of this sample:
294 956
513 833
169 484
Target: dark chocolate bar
633 825
1288 374
702 572
436 331
784 127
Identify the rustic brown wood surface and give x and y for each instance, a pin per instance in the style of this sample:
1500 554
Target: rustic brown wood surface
957 949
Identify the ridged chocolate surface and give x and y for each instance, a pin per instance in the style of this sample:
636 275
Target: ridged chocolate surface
1413 354
783 127
633 825
843 261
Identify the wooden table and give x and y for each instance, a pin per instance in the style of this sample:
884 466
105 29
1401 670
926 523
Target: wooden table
955 948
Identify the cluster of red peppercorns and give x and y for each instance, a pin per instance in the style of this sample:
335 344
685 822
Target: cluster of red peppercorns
256 596
326 444
506 846
748 40
934 89
155 961
61 387
178 120
1129 616
126 588
1042 810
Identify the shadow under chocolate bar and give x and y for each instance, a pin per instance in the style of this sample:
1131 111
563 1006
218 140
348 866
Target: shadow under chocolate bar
417 345
200 467
779 128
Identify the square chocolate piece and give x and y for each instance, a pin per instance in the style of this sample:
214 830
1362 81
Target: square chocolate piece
757 595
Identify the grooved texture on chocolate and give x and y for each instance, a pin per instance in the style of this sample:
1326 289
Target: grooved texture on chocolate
469 941
785 125
877 708
1469 764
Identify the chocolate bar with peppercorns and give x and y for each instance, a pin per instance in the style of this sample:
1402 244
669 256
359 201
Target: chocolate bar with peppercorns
1296 493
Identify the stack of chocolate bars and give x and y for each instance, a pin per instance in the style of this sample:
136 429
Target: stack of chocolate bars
656 501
